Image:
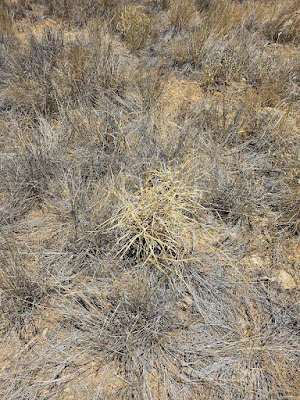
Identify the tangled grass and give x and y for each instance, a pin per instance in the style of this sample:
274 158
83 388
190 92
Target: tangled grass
154 220
149 200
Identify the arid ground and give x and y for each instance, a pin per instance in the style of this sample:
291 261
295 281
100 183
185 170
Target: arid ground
149 199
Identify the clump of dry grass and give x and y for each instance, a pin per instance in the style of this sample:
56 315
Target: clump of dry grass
32 82
78 12
291 207
21 287
181 13
148 89
210 46
26 174
221 65
6 25
153 218
58 73
277 21
134 25
105 60
127 323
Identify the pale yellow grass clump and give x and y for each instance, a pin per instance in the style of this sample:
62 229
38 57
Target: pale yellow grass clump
154 220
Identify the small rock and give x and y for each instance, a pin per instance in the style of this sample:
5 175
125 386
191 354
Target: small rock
257 261
285 280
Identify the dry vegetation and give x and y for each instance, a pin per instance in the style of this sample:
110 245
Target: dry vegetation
149 199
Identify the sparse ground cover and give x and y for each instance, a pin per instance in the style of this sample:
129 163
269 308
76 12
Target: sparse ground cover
149 199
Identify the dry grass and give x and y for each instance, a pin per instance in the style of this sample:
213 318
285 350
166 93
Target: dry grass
181 13
134 25
21 285
153 219
149 200
6 25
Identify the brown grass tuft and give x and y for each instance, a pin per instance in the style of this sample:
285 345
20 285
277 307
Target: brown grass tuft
134 25
6 24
